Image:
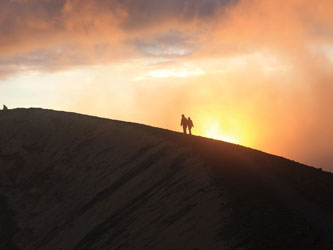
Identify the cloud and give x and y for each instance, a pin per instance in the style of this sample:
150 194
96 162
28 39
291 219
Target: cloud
39 27
142 13
143 28
172 43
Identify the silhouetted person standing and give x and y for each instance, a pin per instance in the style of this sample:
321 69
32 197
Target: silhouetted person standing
184 123
189 125
5 107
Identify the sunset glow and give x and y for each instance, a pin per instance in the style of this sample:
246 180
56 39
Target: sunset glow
255 73
226 128
213 130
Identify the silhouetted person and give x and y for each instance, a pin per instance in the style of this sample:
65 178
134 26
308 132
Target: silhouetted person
184 123
189 125
5 107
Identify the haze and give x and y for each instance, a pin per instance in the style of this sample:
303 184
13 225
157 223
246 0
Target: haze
253 72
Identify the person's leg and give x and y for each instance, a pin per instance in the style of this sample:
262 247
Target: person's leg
189 130
184 129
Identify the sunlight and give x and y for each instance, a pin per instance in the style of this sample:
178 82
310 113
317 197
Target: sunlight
213 130
232 127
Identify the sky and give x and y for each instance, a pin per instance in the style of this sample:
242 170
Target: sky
252 72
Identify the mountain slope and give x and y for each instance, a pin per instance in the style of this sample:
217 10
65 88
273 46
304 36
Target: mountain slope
70 181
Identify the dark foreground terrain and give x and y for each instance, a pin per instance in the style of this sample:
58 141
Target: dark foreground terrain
75 182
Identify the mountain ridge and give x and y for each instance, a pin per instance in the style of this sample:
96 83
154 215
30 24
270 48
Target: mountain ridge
71 181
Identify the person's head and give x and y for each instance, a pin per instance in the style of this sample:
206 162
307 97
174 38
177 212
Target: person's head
189 118
183 115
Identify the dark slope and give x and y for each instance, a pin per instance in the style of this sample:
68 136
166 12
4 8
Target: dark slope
69 181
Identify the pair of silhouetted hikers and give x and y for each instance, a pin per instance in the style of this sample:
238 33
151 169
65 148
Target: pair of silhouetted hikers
187 124
5 107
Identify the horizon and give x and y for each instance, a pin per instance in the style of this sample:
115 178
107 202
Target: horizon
176 131
254 73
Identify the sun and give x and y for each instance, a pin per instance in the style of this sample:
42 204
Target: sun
230 127
213 130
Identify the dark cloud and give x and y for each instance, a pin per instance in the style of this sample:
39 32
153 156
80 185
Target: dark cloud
24 16
145 13
16 14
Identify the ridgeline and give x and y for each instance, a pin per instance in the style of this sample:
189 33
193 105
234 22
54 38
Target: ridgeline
76 182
